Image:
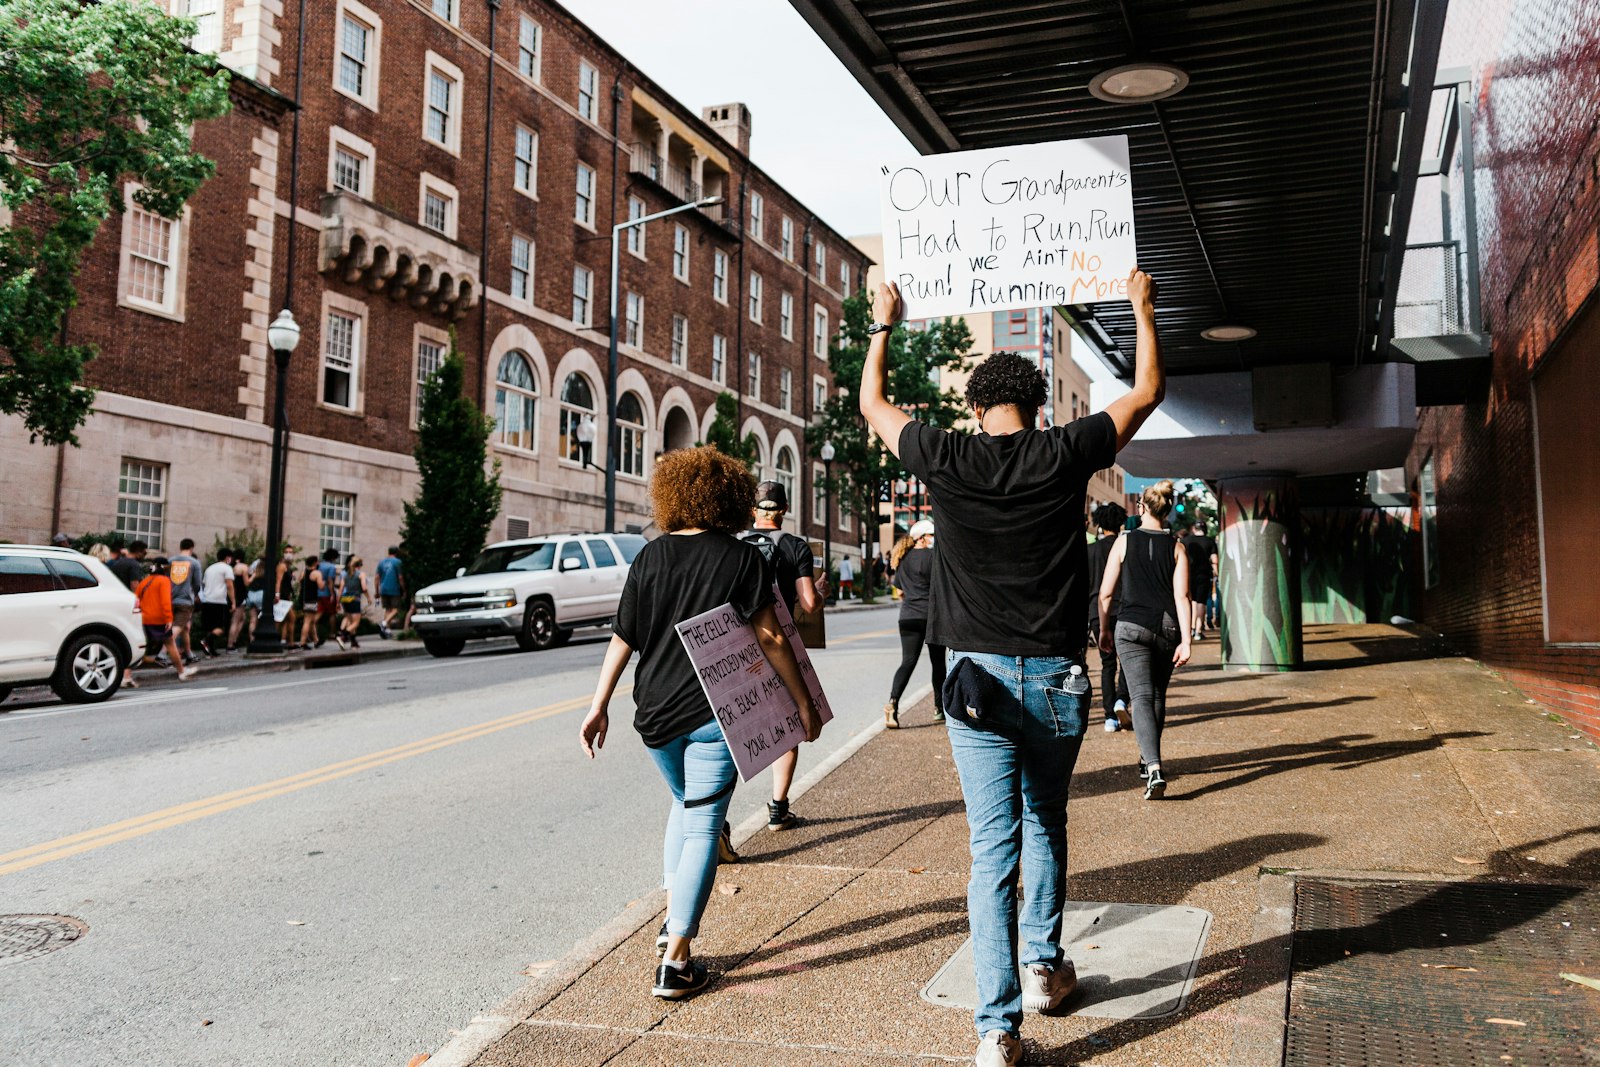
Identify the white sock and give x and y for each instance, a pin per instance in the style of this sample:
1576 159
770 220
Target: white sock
1153 768
676 965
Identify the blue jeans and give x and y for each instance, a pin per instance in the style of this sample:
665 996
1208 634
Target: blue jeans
696 766
1015 759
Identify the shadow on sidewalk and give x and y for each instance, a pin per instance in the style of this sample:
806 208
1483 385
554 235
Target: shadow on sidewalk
849 826
1230 709
1174 875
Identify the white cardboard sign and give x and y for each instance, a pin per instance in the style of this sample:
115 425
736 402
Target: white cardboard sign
759 719
999 228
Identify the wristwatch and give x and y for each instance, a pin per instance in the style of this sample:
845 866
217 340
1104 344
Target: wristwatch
879 327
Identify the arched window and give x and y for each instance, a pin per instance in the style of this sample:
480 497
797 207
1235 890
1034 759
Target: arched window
577 403
630 435
785 472
759 464
516 407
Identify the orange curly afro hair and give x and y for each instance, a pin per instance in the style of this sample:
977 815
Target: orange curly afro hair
702 489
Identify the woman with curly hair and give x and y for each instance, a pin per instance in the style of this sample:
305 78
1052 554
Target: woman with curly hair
702 499
912 558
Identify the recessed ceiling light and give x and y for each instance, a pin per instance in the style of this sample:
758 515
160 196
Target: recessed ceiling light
1228 333
1138 83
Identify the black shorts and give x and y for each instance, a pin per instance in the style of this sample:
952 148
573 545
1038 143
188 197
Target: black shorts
214 617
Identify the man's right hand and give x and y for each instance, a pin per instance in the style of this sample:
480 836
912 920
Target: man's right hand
886 304
1142 291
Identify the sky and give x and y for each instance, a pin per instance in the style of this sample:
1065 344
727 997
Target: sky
813 128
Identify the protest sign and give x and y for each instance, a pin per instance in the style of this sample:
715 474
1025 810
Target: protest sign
999 228
759 719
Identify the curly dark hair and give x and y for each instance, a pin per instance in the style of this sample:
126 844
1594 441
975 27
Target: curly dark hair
702 489
1007 378
1110 517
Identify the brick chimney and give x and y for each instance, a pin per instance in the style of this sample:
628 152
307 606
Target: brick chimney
732 121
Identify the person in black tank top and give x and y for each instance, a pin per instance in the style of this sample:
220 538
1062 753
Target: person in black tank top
1151 634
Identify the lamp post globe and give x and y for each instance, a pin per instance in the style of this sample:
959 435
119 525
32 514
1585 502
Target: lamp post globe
283 335
827 453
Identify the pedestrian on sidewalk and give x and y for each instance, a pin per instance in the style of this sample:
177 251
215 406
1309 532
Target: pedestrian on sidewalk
184 571
913 575
216 601
1151 635
244 610
1109 520
307 595
128 564
1009 583
789 558
702 499
155 613
1202 553
328 592
354 595
847 578
391 590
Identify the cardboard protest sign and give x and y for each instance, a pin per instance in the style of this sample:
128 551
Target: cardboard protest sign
759 719
999 228
803 656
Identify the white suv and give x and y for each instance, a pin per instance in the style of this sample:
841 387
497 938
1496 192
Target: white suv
536 589
65 621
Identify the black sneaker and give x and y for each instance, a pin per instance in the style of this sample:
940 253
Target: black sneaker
725 852
673 983
1155 786
779 817
661 939
1144 772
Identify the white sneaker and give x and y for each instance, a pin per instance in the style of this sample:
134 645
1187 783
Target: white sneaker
1124 717
1111 724
1044 987
999 1049
187 673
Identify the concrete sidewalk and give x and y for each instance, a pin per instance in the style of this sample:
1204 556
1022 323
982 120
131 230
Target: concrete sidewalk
1386 755
228 664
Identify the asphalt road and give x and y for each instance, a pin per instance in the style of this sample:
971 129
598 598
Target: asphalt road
333 867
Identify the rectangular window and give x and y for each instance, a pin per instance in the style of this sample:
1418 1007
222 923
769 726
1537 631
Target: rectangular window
430 354
441 114
636 210
819 496
435 210
142 500
819 396
819 332
680 253
583 207
207 15
582 294
755 297
526 168
844 277
1566 454
588 91
757 209
1428 504
680 340
753 377
341 356
349 170
633 321
786 238
152 243
786 389
719 359
521 269
338 522
445 9
719 276
820 253
528 48
786 316
355 42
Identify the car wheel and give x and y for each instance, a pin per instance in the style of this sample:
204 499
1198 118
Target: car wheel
538 627
444 647
89 671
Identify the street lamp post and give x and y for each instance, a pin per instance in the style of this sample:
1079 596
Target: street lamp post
283 335
611 356
827 454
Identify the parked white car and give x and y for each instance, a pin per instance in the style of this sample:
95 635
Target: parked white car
536 589
65 621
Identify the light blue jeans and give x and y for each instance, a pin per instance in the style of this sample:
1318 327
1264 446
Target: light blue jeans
1015 758
696 766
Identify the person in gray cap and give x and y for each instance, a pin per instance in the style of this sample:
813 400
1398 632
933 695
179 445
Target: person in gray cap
913 574
792 565
61 540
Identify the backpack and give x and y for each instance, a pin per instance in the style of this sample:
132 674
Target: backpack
766 542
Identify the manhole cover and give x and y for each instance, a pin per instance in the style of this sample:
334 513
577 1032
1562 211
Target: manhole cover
22 937
1417 974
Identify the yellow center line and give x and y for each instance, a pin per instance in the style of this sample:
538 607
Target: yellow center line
841 641
89 840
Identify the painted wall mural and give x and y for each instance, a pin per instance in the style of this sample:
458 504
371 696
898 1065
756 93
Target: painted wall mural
1355 564
1260 574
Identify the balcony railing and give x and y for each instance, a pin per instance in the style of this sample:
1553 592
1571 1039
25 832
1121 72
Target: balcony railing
674 179
1432 297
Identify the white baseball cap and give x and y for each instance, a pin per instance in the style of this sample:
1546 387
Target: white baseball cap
921 528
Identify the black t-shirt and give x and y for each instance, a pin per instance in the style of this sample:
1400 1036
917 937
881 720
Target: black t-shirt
1199 548
128 569
914 576
1099 554
1009 570
673 578
790 558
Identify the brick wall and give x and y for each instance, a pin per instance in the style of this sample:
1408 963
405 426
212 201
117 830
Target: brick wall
1537 146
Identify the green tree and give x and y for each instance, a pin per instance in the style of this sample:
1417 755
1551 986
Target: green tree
862 465
447 525
723 433
91 94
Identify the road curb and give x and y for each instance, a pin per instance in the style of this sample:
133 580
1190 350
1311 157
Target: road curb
484 1030
287 664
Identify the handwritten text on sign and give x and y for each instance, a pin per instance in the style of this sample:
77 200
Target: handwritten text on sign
999 228
759 719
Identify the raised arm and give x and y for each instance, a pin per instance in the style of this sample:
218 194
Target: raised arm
1149 375
885 419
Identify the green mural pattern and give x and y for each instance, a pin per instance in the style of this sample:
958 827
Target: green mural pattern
1355 564
1260 592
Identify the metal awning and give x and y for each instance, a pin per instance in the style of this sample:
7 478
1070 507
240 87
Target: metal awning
1265 192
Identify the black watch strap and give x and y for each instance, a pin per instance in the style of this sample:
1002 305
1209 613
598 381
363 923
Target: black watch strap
879 327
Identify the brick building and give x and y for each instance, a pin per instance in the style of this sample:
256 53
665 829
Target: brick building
1508 482
438 192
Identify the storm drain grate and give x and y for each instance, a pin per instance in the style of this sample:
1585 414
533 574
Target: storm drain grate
1415 974
22 937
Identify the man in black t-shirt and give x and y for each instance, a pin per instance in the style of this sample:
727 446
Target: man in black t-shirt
793 569
129 563
1202 553
1109 519
1009 586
